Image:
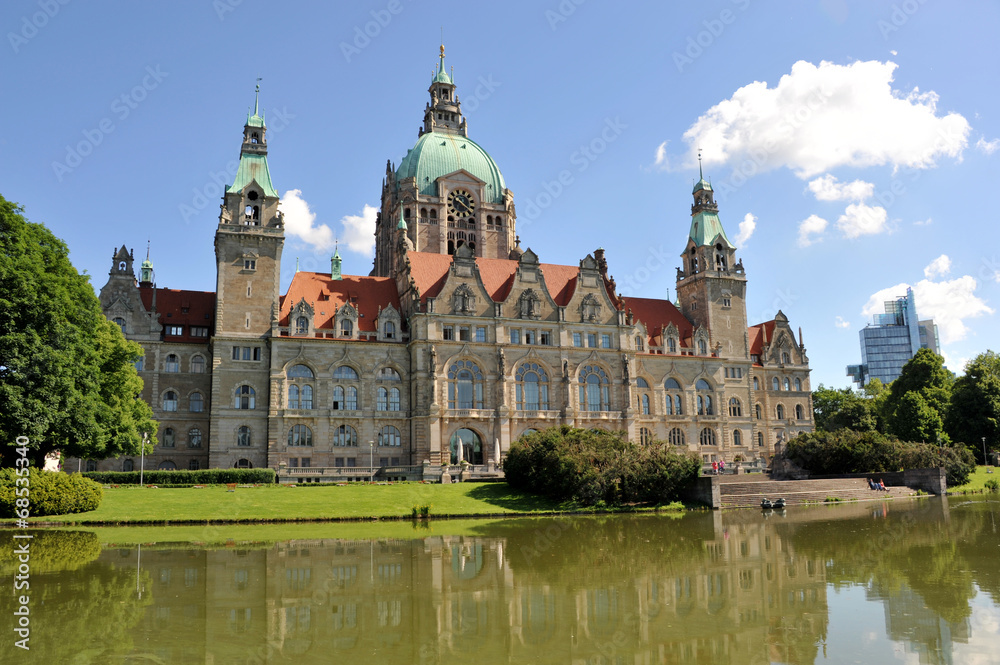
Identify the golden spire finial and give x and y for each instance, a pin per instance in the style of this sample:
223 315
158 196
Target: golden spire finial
442 50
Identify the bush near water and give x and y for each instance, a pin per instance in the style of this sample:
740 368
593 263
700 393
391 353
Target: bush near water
179 477
597 467
847 451
49 493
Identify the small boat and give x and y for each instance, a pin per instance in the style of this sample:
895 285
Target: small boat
780 503
766 504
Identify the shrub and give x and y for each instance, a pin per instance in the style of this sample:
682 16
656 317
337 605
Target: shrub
847 451
597 467
179 477
992 485
51 550
49 493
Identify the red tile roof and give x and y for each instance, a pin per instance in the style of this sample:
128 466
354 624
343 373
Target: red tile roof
756 335
182 308
326 295
430 271
657 315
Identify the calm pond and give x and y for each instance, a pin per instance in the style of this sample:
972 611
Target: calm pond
897 581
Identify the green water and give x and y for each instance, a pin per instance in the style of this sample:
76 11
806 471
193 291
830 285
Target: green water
899 581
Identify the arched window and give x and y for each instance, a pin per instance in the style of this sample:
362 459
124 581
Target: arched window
195 403
787 385
676 437
702 347
798 412
120 322
306 401
756 383
775 384
737 437
674 398
465 386
245 398
641 383
735 408
785 358
300 372
243 436
471 445
172 364
532 388
394 399
300 435
345 399
798 385
671 345
595 394
345 436
301 325
644 404
639 344
197 364
780 412
390 436
345 372
293 396
760 439
387 400
707 437
757 411
168 437
387 374
389 330
243 464
128 465
194 438
645 436
170 401
346 327
166 465
704 398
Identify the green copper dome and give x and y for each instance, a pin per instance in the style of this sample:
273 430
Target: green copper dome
700 185
437 154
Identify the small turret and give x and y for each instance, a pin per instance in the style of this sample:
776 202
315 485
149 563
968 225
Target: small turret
335 264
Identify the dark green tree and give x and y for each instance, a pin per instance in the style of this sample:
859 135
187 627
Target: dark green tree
836 409
926 375
974 411
67 381
916 420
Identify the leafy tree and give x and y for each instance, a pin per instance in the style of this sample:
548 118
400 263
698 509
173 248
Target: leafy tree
836 409
974 411
926 375
66 376
916 420
877 393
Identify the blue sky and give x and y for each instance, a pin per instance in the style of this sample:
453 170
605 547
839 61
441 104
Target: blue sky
852 143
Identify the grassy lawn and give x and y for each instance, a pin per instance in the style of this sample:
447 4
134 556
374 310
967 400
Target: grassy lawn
977 480
132 505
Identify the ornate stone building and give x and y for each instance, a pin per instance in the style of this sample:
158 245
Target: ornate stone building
457 343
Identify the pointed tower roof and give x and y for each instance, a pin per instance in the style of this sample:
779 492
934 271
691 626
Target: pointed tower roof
335 263
402 222
442 75
705 223
253 154
257 119
702 184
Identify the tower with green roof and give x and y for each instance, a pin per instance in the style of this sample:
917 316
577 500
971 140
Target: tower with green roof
448 190
711 284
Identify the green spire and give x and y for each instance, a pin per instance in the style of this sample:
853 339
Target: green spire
402 222
257 119
296 264
335 263
702 183
146 272
442 75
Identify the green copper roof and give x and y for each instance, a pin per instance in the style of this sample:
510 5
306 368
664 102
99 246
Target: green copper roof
436 154
442 75
147 264
705 227
402 222
702 184
253 167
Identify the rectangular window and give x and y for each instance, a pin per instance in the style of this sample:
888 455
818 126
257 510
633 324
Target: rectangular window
249 264
592 340
394 461
448 332
463 333
139 364
246 352
577 339
352 461
530 337
515 336
256 353
605 341
545 338
383 461
339 462
236 353
480 334
175 331
306 462
293 462
199 331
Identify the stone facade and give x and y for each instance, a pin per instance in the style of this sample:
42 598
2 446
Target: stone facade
453 347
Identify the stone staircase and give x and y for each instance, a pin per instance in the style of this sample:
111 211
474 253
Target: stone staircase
738 493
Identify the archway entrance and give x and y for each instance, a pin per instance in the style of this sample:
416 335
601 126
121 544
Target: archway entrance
472 446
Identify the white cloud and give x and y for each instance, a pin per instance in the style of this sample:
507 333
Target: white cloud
923 222
949 303
828 189
300 222
939 267
359 231
809 122
747 227
841 323
862 220
662 160
988 147
812 225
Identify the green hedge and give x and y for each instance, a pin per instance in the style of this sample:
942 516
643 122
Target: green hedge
597 467
847 451
202 477
48 493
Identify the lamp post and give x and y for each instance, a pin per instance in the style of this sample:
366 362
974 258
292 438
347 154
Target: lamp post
142 456
371 461
986 460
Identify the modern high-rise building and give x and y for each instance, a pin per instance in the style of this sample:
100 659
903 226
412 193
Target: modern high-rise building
458 341
891 340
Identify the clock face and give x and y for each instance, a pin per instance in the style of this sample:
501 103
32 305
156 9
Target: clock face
461 204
